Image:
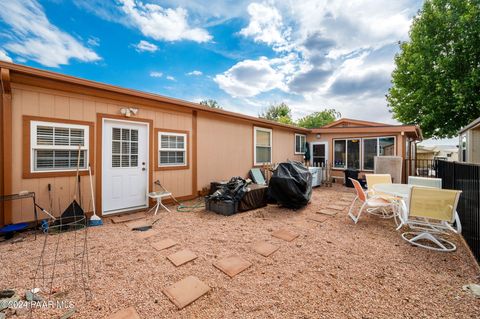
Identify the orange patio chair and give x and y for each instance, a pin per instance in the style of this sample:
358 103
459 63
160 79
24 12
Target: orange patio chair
370 203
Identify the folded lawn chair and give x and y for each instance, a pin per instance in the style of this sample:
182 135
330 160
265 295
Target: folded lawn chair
370 203
431 214
425 181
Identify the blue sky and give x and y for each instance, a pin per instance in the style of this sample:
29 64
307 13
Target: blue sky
311 54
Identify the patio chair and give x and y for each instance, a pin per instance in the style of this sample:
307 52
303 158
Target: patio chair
425 181
431 214
369 203
374 179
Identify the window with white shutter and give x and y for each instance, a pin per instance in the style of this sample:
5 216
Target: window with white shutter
172 148
55 146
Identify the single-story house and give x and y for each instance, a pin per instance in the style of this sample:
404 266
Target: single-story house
469 143
132 138
437 152
348 143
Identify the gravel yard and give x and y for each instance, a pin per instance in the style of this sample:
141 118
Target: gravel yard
334 269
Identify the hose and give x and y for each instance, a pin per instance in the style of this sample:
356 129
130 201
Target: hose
197 204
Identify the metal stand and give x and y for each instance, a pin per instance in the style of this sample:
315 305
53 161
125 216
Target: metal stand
12 197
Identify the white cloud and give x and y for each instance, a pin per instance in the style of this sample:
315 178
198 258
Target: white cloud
35 38
161 23
195 73
93 41
265 25
252 77
156 74
4 56
143 46
333 54
170 78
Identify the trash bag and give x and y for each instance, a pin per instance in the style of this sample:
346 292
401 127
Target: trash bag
291 185
234 190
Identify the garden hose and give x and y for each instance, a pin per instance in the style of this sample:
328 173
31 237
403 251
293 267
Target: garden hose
197 204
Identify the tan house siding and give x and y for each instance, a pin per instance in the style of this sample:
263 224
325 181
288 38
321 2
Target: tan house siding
33 101
225 148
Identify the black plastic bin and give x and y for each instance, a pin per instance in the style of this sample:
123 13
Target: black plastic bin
350 173
223 207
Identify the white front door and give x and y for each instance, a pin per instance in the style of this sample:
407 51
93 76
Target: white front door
319 153
125 165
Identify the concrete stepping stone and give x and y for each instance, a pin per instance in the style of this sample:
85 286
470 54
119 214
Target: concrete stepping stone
336 207
265 249
128 313
327 212
127 218
186 291
146 234
163 244
285 234
182 257
137 223
232 266
317 218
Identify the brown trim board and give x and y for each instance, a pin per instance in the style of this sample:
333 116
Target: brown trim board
6 135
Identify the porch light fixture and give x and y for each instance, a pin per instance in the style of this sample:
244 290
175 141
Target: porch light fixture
318 135
128 112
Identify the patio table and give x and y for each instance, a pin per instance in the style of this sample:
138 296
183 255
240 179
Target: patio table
397 190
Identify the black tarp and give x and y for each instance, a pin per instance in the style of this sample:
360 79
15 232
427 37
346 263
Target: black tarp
291 185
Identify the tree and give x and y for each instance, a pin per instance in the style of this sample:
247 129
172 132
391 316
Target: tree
279 113
319 119
436 82
211 103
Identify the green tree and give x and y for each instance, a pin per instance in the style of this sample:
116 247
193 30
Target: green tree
280 113
211 103
319 119
436 82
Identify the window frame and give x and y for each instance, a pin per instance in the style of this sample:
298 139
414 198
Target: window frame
378 148
361 151
264 129
29 145
158 149
305 141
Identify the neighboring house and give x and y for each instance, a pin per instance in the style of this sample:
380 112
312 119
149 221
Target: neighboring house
440 152
348 143
132 138
469 142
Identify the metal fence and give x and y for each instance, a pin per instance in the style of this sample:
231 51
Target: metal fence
419 167
464 177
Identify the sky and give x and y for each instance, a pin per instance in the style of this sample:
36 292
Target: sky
310 54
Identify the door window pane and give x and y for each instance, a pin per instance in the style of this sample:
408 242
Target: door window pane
353 154
340 153
124 147
318 155
387 146
369 153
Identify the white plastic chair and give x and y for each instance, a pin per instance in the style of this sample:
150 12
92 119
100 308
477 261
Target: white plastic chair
370 203
430 216
425 181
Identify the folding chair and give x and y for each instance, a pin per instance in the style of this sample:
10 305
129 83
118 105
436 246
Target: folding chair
374 179
431 214
158 196
425 181
370 203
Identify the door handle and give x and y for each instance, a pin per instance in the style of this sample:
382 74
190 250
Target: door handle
144 169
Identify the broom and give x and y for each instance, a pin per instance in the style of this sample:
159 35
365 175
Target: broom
94 220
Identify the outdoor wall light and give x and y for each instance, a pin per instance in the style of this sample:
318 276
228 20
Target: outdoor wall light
127 112
318 135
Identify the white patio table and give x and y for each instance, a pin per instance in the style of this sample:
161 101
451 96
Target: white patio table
401 192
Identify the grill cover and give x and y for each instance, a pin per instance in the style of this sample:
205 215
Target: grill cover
291 185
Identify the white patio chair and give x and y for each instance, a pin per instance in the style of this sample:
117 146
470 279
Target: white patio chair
158 196
425 181
430 215
372 202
